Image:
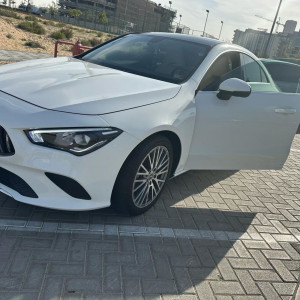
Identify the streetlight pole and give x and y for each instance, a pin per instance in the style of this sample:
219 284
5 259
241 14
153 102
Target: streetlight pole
171 18
264 53
207 11
157 19
221 29
180 16
145 15
126 9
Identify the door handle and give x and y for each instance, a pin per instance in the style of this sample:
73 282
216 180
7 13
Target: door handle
285 111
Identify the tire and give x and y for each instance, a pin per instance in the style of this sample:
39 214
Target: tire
138 185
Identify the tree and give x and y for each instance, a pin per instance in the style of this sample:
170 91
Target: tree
29 7
75 13
53 8
87 16
102 18
43 10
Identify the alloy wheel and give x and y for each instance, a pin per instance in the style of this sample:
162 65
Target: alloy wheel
151 176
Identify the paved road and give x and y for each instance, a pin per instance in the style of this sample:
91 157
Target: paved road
214 235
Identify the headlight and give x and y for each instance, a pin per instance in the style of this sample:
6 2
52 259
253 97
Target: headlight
76 141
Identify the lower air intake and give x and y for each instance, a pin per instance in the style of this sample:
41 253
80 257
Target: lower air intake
69 186
6 146
16 183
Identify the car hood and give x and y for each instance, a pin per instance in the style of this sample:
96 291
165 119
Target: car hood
74 86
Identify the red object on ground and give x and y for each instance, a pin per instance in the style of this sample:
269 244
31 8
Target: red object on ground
77 47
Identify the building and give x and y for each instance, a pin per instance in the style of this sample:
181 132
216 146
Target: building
292 46
124 15
253 40
289 27
256 40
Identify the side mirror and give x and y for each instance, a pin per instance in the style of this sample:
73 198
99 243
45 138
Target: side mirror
233 87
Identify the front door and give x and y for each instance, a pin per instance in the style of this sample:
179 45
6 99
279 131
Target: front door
242 133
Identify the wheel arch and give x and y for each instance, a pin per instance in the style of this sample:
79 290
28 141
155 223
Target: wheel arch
176 144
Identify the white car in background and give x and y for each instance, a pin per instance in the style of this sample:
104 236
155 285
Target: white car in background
111 125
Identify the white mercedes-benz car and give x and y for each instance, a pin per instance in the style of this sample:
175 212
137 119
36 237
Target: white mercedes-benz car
110 126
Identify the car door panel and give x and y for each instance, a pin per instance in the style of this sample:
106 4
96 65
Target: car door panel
243 133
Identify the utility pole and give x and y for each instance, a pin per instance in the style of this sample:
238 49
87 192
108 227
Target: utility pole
221 29
207 11
264 53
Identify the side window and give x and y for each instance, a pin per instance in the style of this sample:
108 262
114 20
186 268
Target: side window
252 70
283 72
227 65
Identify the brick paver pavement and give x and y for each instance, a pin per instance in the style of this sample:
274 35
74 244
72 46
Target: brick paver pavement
213 235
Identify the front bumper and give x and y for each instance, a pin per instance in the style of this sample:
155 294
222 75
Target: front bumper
95 172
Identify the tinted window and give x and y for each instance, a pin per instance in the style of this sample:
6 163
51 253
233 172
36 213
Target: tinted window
284 72
232 65
252 70
158 57
227 65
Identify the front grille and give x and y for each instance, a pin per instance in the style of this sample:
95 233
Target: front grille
16 183
6 146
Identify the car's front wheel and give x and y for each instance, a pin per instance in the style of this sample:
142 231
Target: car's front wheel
143 176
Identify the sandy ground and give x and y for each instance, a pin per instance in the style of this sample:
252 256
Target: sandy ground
4 62
13 38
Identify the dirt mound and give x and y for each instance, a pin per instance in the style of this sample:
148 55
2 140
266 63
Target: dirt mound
13 38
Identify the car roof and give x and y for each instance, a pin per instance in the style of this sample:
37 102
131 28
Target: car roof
185 37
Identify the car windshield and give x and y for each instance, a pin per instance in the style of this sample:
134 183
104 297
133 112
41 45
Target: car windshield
163 58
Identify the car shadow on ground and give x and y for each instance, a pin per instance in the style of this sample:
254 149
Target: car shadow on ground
184 204
172 249
96 266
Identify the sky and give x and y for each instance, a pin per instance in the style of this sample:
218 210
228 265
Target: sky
236 14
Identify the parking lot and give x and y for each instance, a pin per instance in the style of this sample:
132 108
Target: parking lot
213 235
